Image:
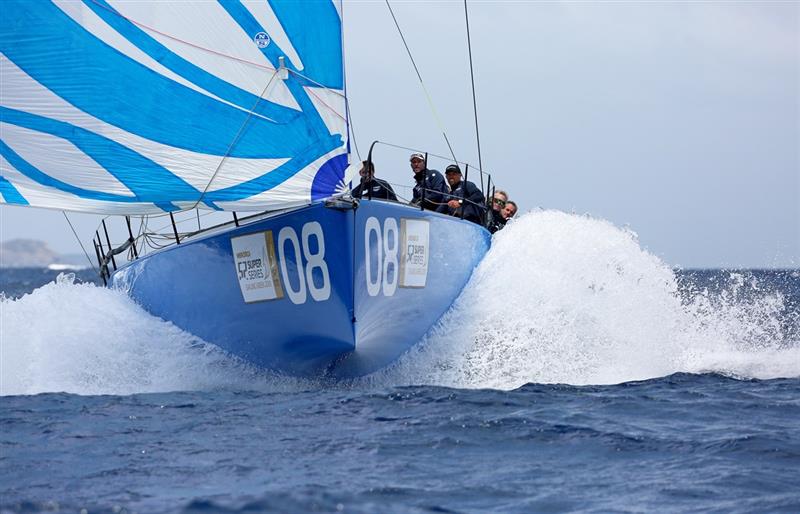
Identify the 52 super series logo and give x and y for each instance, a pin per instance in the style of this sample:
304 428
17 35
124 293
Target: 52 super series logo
265 274
250 269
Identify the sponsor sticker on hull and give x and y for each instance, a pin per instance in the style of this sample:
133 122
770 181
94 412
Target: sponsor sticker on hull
257 267
414 237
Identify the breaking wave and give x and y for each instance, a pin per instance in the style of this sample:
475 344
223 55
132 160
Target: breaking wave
560 298
81 338
563 298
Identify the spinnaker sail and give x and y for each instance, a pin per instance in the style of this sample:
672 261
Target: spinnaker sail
120 107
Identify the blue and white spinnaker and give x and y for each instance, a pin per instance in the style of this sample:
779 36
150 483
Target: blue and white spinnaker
142 107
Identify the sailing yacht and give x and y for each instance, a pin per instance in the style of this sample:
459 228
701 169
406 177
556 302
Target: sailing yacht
142 109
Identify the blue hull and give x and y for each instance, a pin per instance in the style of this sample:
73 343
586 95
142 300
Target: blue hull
314 291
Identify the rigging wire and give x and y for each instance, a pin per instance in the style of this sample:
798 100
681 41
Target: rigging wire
472 78
314 82
321 86
234 140
136 243
419 76
352 128
430 154
79 241
143 223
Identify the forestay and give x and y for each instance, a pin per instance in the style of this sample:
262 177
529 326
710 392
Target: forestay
124 107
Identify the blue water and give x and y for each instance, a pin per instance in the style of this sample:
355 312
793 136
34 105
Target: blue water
614 385
679 443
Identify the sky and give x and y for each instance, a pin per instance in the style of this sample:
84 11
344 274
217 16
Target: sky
678 120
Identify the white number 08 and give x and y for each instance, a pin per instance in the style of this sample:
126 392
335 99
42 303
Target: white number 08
387 248
313 261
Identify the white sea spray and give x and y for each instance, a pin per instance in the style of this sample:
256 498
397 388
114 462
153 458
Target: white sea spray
562 298
81 338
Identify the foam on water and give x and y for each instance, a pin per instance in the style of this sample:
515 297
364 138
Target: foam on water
559 298
563 298
85 339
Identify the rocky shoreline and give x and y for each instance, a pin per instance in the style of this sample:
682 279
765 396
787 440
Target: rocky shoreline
32 253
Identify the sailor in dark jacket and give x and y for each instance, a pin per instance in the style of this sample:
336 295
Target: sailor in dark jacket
371 187
430 184
465 197
496 221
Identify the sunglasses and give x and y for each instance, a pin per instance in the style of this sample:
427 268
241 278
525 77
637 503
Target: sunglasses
499 202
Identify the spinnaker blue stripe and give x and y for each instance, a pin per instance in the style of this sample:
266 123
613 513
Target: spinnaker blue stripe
329 176
167 207
10 193
65 58
112 87
320 49
250 25
272 179
147 180
186 69
37 175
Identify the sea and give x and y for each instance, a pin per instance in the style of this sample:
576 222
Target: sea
577 372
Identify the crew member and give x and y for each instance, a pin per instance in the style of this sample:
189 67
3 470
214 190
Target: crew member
371 187
496 221
510 210
429 185
465 197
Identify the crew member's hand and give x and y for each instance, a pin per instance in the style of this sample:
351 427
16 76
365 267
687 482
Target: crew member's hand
454 204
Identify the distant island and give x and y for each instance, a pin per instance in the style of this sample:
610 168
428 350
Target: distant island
32 253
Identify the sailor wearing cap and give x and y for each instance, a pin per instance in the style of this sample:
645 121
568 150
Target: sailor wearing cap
465 197
430 188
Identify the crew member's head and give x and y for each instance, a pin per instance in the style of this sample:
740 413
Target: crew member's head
417 162
510 210
453 175
367 169
499 200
